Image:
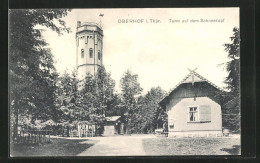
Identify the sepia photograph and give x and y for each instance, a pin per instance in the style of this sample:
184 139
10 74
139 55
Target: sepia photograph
124 82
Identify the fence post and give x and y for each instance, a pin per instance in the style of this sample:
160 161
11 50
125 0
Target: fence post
38 136
44 137
91 130
78 131
35 137
28 138
49 137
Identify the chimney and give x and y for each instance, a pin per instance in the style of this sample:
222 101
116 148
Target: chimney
78 23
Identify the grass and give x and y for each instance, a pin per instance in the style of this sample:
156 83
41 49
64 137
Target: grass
152 146
57 147
192 146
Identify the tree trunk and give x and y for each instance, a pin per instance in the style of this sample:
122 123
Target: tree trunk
126 128
15 124
68 131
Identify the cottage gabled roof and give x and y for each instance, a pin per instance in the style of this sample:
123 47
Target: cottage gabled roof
112 118
192 77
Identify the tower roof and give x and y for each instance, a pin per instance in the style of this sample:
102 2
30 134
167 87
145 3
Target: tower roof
90 23
89 26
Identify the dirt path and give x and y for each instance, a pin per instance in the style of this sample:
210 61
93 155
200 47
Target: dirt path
116 146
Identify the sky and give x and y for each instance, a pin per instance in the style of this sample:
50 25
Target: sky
160 50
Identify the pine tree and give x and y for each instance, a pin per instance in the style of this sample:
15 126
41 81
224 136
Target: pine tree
231 109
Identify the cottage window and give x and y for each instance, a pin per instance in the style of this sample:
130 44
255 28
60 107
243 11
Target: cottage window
193 114
82 53
200 113
90 53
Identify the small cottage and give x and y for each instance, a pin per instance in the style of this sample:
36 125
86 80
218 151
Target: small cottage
194 108
113 125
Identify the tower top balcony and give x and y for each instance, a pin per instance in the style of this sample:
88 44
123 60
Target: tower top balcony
88 26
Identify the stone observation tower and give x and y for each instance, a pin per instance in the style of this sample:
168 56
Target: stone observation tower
89 46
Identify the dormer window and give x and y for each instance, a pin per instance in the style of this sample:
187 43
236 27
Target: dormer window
90 53
82 53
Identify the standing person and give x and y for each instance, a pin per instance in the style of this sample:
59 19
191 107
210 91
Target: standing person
165 127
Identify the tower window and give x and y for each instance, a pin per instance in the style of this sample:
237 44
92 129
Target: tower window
99 55
82 53
86 40
90 53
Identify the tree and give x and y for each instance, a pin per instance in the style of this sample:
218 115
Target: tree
88 99
231 110
97 96
114 106
105 90
31 70
150 113
232 67
67 96
131 89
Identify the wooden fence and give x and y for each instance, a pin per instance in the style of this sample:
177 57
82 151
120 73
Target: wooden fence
34 136
80 130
